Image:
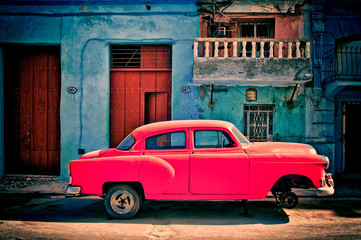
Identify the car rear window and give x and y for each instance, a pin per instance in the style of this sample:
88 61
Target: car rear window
166 141
127 143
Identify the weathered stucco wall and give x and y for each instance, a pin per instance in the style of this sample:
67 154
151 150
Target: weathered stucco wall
289 115
247 71
319 122
85 34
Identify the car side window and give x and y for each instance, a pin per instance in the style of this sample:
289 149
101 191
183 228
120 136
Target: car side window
212 139
166 141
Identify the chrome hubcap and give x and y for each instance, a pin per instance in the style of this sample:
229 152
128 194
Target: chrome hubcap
122 202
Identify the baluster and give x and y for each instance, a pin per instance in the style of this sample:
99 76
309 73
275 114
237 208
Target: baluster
216 44
244 53
262 50
280 44
225 44
298 52
235 49
271 49
253 49
289 52
195 49
207 49
307 50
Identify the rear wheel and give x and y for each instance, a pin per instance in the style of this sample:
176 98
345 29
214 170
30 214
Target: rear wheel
288 200
122 201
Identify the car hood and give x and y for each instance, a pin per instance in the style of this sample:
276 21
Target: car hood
280 147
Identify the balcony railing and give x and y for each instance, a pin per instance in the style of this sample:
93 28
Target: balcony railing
344 64
251 48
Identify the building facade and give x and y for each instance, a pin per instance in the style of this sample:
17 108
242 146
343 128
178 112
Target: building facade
77 76
253 63
336 31
284 71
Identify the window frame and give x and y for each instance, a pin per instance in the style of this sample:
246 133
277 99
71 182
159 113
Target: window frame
166 149
257 22
231 139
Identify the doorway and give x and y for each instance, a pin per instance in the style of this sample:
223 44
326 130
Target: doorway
351 133
32 109
140 88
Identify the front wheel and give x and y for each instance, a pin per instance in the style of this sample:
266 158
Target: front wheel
288 200
122 201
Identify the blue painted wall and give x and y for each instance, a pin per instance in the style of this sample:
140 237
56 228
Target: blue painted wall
84 34
288 118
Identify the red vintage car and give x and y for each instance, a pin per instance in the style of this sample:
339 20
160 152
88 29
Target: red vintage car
196 160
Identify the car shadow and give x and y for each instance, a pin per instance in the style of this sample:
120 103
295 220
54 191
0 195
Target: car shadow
82 210
213 212
347 207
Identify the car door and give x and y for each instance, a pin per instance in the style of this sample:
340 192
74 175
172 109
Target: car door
218 164
172 147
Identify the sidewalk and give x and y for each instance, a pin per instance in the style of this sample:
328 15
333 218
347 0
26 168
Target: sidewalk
345 186
32 184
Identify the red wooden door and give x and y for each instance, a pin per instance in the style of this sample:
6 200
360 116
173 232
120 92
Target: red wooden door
137 98
140 95
31 104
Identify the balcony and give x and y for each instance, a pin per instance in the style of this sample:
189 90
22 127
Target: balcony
256 62
341 68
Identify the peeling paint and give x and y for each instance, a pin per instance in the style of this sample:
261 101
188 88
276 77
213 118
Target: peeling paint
293 24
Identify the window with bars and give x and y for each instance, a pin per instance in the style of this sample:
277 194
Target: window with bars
256 30
140 56
258 122
222 30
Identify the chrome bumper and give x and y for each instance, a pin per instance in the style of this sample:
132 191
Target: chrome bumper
327 190
72 191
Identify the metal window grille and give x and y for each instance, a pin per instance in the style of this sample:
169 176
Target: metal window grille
258 122
145 56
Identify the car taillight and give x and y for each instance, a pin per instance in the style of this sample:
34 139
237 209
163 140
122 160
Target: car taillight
69 171
327 161
329 176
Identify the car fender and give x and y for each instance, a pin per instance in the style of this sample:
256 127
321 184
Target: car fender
155 174
91 174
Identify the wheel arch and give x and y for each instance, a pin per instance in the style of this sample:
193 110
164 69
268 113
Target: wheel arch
286 182
137 186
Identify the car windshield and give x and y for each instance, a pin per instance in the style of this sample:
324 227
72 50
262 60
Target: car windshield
241 138
127 143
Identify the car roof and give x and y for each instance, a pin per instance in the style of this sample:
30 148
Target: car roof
176 124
